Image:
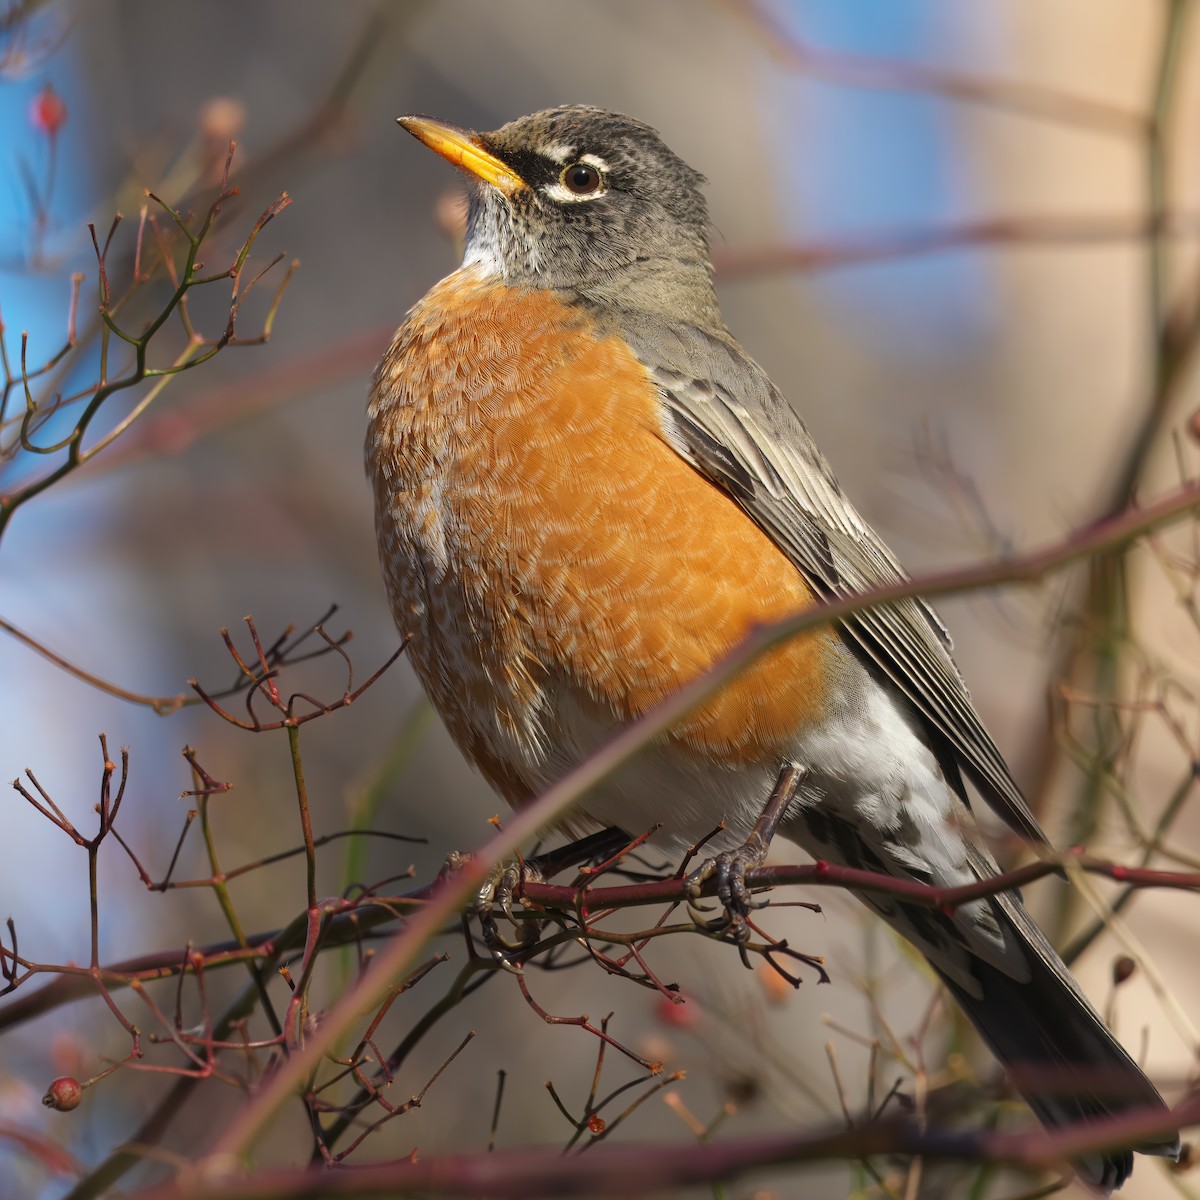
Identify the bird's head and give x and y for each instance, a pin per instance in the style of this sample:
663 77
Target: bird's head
585 201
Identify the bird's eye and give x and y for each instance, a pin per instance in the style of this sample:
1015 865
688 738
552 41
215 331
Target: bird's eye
582 179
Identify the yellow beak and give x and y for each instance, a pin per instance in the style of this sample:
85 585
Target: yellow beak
461 147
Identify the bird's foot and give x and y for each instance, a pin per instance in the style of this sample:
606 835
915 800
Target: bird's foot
500 889
729 868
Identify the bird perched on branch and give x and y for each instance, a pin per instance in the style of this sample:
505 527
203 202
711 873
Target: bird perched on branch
586 493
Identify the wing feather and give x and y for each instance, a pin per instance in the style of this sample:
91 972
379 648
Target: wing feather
729 421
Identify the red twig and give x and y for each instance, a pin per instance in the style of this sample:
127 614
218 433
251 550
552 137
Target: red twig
823 874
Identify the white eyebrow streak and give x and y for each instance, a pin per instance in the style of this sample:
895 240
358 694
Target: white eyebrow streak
594 160
558 151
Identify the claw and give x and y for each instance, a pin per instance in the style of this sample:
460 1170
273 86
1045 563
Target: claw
734 895
500 888
730 867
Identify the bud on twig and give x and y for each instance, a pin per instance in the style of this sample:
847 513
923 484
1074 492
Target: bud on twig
1123 966
47 112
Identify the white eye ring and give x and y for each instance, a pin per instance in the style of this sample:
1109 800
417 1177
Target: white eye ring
582 178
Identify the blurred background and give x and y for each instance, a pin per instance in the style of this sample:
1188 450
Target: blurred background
977 396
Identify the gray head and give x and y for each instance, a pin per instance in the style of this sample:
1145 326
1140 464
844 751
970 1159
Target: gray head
585 201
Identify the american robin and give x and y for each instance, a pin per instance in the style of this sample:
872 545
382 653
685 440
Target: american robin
586 493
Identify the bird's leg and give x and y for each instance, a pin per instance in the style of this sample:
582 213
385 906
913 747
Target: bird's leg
730 867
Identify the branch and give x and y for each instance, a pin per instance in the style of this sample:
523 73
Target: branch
824 874
363 918
735 264
890 74
161 705
608 1170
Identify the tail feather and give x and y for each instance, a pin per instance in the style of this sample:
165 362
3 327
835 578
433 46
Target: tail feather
1060 1054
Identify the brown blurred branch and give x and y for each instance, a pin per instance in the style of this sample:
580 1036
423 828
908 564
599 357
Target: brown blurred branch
284 651
162 705
609 1170
734 264
862 71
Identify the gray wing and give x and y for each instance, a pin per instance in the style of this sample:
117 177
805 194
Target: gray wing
729 421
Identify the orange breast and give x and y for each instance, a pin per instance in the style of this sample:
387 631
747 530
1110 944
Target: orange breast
535 527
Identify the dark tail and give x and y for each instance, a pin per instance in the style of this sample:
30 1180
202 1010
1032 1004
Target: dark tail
1060 1054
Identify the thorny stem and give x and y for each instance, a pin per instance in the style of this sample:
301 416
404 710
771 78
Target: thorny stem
130 1154
282 654
823 874
415 1101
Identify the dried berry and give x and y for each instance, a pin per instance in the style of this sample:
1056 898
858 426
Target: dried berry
1123 967
63 1094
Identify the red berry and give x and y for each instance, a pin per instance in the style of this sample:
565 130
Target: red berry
47 111
63 1094
678 1014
